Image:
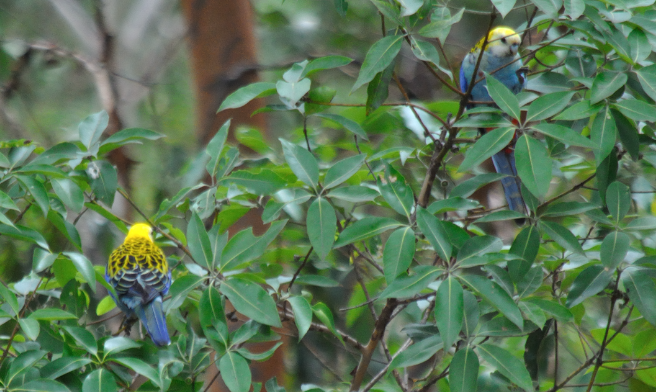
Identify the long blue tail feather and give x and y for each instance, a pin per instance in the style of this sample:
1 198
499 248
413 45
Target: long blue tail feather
153 318
504 162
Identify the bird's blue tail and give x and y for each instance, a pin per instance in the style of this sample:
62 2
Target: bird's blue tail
504 162
152 316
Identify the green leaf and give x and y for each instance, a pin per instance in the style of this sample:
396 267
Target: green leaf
84 267
99 380
378 89
292 92
533 313
210 309
66 228
420 352
263 356
181 288
425 51
642 292
605 84
398 253
603 134
496 296
354 194
140 367
636 110
24 234
644 223
265 182
562 236
63 365
579 110
343 170
235 372
244 246
452 204
105 305
410 7
613 249
38 192
647 79
251 300
503 97
321 226
127 136
406 286
245 94
530 282
9 298
215 147
567 208
104 181
302 314
42 385
508 365
449 310
326 62
478 245
463 372
324 315
69 193
533 165
348 124
302 163
396 191
503 215
468 187
483 120
564 134
52 314
30 328
199 243
380 55
118 344
441 22
574 8
365 228
548 105
84 339
488 145
434 232
557 310
7 202
640 46
392 12
628 133
589 282
90 130
618 200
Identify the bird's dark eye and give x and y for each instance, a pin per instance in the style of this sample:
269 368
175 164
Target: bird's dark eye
503 40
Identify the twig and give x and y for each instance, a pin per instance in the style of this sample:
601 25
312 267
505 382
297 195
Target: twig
298 271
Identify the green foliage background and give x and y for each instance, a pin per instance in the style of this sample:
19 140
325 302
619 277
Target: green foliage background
379 256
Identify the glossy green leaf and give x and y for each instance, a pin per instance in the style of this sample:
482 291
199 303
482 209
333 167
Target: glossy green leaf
463 371
365 228
245 94
24 234
251 300
91 128
605 84
503 97
449 310
265 182
127 136
496 296
398 253
406 286
434 232
326 62
548 105
104 181
10 298
533 165
199 243
69 193
564 134
643 223
354 194
642 293
557 310
647 79
52 314
42 385
348 124
530 282
589 282
420 352
302 163
210 309
452 204
343 170
244 247
396 191
380 55
603 134
302 314
324 315
63 365
118 344
180 289
640 46
574 8
636 110
613 249
321 226
235 372
618 200
478 245
140 367
502 215
507 364
215 147
84 339
488 145
579 110
84 267
38 192
562 236
468 187
99 380
533 313
628 133
441 22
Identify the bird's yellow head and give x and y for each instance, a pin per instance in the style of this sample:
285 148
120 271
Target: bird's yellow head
501 42
140 230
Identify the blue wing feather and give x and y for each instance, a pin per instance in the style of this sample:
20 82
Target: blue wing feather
152 316
504 162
